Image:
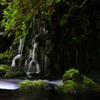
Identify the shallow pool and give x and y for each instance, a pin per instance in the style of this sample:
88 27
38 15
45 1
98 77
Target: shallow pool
9 91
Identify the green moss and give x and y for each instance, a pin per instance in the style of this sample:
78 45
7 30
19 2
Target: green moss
4 66
2 70
72 74
1 55
33 84
69 86
64 19
25 84
89 85
9 73
74 82
7 56
20 73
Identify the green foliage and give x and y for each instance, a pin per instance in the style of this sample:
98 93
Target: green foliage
39 84
4 66
6 57
18 15
58 1
1 55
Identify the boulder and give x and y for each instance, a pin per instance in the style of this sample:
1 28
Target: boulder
74 82
39 84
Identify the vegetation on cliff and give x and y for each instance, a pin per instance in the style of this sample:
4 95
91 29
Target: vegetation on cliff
73 29
5 71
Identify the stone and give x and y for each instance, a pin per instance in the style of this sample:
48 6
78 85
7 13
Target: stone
74 82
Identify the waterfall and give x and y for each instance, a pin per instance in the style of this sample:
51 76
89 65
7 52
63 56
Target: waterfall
32 66
20 50
14 59
21 46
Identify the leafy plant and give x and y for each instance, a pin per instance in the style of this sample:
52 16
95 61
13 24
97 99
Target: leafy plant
18 15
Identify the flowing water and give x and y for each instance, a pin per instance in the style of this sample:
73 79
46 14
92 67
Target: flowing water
33 65
14 59
18 56
9 91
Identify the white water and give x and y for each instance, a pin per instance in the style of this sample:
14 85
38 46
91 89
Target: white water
12 84
14 59
20 50
55 82
32 66
9 84
21 46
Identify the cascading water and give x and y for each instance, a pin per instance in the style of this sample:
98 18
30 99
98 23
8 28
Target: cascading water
36 55
32 66
14 59
21 46
20 50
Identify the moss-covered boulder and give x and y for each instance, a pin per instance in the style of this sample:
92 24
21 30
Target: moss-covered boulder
74 82
3 69
72 74
20 73
9 73
39 84
6 71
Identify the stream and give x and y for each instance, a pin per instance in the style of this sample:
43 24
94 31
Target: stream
9 91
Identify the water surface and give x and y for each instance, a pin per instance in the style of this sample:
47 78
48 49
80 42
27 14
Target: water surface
44 95
9 91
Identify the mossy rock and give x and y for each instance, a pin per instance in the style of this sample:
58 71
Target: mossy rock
74 82
9 73
2 70
72 74
69 86
39 84
20 73
89 85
